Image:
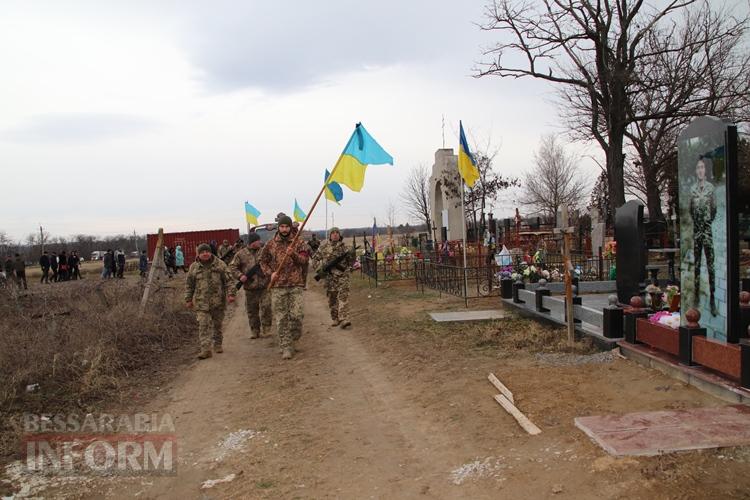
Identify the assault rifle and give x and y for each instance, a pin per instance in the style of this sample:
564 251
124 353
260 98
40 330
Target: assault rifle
227 257
334 263
249 274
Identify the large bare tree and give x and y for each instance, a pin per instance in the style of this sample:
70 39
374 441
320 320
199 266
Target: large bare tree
555 181
416 195
593 49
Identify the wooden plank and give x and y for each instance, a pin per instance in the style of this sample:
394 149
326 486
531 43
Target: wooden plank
524 422
500 387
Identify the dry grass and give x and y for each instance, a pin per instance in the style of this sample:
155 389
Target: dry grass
81 343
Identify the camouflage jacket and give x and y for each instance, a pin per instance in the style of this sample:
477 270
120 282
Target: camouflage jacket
702 210
330 250
245 259
208 284
223 249
292 274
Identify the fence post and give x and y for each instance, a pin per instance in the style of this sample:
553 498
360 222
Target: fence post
601 265
466 291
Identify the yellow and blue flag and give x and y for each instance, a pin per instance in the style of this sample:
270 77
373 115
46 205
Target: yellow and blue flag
467 167
360 151
333 189
251 214
298 214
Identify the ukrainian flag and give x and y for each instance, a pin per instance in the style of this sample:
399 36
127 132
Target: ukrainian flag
467 167
299 215
333 189
360 151
251 214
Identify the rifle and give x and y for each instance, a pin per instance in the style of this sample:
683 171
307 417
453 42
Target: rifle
227 257
249 274
334 263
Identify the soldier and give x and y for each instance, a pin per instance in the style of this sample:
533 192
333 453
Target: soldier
286 283
223 249
703 213
333 260
208 288
257 298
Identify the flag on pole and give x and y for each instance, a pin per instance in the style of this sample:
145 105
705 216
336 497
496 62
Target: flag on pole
333 189
360 151
299 215
251 214
467 167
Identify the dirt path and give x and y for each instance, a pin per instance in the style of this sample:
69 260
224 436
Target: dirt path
329 423
399 408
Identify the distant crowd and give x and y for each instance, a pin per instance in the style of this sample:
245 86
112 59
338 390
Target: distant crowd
62 267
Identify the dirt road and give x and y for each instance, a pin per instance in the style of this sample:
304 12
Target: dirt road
399 408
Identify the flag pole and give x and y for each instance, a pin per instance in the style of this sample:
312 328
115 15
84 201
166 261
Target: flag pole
463 220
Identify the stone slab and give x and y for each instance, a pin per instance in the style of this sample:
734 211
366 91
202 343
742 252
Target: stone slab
658 432
443 317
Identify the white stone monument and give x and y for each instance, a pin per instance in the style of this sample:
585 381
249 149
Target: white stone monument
446 207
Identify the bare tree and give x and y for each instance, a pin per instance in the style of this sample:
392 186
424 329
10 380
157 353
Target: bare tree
692 71
555 180
593 49
390 214
416 195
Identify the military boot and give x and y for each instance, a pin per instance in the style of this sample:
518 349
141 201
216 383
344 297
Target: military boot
346 324
205 354
335 322
266 330
287 354
714 311
218 349
254 334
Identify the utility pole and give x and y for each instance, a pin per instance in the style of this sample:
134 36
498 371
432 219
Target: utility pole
41 238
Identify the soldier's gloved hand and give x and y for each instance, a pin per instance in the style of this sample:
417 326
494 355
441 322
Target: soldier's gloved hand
230 299
189 304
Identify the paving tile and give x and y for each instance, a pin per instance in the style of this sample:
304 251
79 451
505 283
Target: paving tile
442 317
657 432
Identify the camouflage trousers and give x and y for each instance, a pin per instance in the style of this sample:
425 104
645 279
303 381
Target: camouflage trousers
288 312
258 307
209 328
337 290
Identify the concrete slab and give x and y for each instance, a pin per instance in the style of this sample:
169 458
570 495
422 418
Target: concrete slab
443 317
658 432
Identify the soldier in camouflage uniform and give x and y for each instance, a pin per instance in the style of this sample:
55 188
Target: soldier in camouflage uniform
208 288
337 278
703 212
257 298
287 283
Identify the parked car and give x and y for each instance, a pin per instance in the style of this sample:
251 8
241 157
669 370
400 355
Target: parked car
97 254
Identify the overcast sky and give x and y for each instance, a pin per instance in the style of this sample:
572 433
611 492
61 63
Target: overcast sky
122 116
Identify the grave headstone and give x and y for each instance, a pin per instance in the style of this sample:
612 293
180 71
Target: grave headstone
709 257
631 250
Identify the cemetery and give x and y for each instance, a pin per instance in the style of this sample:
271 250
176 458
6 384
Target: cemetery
673 298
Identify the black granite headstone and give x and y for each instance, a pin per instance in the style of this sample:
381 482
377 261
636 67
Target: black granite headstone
631 250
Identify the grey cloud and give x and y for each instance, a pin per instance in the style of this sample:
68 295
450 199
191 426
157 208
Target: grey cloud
286 46
77 127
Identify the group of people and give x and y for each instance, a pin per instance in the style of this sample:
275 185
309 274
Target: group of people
113 264
274 278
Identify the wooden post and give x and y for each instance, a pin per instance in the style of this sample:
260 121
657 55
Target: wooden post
157 265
